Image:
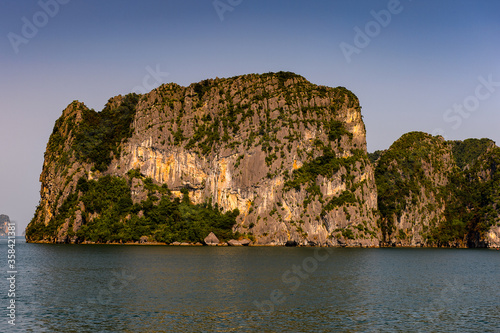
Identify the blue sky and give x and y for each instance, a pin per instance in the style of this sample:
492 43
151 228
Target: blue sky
431 66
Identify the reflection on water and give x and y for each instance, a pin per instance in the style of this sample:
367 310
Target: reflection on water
68 288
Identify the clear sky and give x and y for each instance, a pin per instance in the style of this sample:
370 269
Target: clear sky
431 66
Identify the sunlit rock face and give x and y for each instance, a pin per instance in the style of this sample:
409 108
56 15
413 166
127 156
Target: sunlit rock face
288 154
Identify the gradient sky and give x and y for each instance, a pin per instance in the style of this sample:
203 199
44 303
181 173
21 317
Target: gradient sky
415 71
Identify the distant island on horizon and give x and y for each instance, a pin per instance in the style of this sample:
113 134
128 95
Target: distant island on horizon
4 223
260 159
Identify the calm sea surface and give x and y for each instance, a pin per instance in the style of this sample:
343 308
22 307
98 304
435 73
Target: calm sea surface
99 288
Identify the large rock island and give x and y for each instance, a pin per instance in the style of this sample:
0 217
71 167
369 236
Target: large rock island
272 158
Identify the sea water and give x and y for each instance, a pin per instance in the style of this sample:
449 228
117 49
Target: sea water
112 288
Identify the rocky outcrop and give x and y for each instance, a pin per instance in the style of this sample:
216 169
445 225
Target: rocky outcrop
211 239
289 155
245 242
241 242
479 190
412 178
437 193
493 237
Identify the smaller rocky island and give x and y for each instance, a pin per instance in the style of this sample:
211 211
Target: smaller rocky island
4 223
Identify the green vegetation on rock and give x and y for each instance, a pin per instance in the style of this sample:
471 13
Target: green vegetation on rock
99 135
456 182
468 151
161 217
268 122
475 205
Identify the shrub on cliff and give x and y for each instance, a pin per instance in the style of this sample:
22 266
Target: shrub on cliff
100 133
164 219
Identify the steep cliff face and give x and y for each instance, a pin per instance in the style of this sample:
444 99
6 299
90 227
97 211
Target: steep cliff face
290 156
412 178
437 193
478 191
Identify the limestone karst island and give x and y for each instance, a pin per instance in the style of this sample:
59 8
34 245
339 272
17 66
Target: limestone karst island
267 159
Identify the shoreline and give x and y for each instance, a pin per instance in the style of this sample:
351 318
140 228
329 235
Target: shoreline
262 245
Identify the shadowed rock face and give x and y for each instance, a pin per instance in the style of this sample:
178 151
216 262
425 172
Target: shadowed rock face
433 192
288 154
4 221
412 178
